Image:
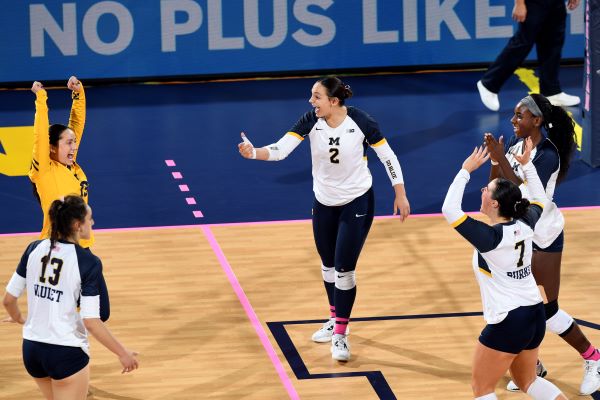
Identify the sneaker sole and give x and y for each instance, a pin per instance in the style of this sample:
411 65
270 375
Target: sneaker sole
338 358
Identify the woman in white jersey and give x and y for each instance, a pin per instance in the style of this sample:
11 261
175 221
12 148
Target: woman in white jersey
344 205
57 272
512 304
551 157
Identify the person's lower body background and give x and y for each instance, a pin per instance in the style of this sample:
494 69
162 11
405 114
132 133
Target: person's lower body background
546 267
61 372
340 233
543 27
512 344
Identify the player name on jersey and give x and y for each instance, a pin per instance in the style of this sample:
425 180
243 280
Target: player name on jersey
46 292
520 274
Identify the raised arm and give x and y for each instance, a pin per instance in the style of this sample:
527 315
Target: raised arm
77 117
41 138
482 236
549 221
503 168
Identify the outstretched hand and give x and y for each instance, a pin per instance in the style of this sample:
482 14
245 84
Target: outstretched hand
37 86
494 147
246 148
74 84
524 158
476 159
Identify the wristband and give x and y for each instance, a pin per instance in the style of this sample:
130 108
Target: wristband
253 156
494 162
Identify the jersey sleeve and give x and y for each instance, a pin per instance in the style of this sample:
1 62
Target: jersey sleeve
90 291
368 126
41 139
479 234
90 270
532 215
77 117
546 162
18 282
304 125
482 236
390 162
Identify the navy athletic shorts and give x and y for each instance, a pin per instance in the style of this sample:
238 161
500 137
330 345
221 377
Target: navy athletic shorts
522 329
555 247
58 362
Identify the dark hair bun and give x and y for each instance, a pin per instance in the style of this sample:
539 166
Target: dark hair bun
347 92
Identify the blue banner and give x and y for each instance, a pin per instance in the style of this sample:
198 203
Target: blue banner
52 39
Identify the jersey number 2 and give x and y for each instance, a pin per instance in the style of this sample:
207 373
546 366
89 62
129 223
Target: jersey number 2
53 280
334 153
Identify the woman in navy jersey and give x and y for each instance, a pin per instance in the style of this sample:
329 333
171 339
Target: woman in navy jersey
512 304
58 273
344 205
552 131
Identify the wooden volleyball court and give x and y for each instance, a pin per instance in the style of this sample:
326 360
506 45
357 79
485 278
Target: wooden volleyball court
196 301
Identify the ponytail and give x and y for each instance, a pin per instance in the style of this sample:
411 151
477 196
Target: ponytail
62 214
561 131
511 203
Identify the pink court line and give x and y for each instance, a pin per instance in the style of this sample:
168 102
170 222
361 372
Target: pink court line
237 288
184 188
296 221
170 163
177 175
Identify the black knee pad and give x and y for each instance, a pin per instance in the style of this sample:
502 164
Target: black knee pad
551 309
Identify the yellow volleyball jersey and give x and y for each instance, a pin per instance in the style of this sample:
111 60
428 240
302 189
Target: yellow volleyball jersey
53 179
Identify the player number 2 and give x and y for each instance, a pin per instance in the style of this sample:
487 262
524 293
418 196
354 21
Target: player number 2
333 157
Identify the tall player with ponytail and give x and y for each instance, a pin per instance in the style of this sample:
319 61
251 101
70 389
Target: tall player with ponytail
512 304
344 204
59 274
552 153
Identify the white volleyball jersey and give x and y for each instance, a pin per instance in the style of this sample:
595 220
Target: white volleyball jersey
502 256
502 264
546 160
339 164
53 291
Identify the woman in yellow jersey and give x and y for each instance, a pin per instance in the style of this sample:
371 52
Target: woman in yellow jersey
54 171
